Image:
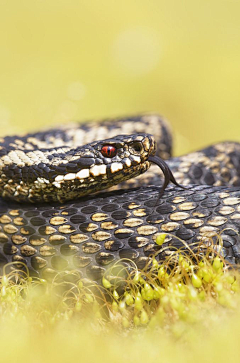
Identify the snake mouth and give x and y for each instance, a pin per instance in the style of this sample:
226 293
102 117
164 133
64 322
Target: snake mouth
168 175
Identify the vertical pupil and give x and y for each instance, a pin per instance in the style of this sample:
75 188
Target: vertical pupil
108 151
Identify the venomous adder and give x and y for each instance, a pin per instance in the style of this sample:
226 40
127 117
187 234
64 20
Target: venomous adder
91 233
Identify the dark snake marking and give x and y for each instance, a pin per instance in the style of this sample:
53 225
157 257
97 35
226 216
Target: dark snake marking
91 234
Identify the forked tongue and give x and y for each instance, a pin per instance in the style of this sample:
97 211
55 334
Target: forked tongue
168 175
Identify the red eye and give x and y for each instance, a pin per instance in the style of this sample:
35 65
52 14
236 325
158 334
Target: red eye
108 151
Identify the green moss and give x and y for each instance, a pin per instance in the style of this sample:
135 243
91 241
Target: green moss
185 299
162 295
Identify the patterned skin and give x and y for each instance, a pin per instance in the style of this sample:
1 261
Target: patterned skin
92 233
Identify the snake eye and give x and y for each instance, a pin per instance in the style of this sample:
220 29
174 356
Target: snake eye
108 151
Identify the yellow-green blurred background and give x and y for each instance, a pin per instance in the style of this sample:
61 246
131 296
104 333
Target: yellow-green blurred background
63 60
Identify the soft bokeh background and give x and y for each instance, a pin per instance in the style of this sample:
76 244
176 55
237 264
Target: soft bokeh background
64 60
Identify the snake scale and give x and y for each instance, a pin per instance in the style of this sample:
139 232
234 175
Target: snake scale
89 234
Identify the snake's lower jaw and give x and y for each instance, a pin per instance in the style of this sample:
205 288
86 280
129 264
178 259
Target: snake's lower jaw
120 177
75 186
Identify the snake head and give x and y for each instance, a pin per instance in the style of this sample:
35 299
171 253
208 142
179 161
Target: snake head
64 173
102 164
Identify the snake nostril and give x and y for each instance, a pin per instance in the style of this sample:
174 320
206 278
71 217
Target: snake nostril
137 146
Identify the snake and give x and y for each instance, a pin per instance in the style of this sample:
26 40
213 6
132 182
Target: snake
56 214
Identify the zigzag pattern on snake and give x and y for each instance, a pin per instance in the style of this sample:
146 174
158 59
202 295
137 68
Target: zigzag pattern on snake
91 233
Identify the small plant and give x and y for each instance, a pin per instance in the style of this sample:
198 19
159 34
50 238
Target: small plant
162 295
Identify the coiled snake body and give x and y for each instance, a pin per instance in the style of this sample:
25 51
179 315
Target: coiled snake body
89 234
